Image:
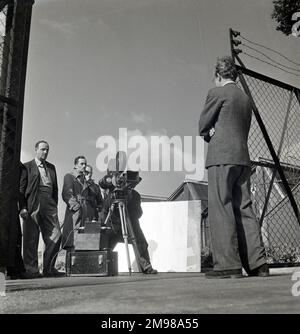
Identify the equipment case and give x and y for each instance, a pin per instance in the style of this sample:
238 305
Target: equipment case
91 263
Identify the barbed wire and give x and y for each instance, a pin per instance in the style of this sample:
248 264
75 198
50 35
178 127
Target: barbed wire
266 62
274 61
270 49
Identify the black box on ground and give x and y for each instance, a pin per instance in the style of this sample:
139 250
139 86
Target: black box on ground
91 263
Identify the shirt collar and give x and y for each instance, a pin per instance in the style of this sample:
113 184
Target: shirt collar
229 82
38 162
76 173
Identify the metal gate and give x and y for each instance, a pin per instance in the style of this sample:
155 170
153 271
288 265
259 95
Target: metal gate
274 146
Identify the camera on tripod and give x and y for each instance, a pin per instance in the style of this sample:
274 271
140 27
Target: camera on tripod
120 183
124 182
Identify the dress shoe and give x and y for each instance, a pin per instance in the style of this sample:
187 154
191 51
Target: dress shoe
261 271
150 271
29 275
54 273
17 275
232 273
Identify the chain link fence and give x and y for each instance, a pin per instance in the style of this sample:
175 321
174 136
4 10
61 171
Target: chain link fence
279 107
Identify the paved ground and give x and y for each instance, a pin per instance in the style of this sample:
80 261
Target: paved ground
165 293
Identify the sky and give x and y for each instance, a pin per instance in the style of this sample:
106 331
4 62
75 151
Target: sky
96 66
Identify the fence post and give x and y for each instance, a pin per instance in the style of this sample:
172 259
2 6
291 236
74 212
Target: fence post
13 75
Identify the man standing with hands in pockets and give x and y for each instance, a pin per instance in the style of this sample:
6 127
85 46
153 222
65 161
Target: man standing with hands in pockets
40 214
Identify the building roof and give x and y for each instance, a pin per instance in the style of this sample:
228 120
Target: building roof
190 190
150 198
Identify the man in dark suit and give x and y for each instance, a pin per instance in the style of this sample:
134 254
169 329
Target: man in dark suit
41 198
94 197
74 194
235 233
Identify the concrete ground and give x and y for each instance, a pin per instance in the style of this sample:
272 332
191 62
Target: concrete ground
165 293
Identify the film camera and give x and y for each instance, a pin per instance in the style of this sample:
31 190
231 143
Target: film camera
120 183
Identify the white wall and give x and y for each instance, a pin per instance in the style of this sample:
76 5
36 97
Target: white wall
172 230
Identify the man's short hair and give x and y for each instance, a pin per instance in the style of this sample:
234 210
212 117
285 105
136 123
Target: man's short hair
226 68
40 142
77 159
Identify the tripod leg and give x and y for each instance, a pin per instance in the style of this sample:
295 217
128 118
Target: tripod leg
109 214
125 234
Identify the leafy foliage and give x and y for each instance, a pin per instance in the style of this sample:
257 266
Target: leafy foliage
283 254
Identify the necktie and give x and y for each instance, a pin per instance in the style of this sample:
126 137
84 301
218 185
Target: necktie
81 179
44 174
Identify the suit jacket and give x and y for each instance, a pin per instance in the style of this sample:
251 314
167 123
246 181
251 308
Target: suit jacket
33 182
22 187
134 205
74 193
228 110
94 199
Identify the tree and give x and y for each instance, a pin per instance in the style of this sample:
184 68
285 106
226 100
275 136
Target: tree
283 12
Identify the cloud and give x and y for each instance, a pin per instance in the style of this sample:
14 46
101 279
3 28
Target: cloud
158 149
140 118
154 152
103 25
64 27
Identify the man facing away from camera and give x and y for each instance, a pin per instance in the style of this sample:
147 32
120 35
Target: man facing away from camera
235 232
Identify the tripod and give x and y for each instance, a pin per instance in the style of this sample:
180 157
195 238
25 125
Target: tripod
127 230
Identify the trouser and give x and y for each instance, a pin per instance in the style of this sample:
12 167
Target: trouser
143 257
235 231
45 220
16 264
